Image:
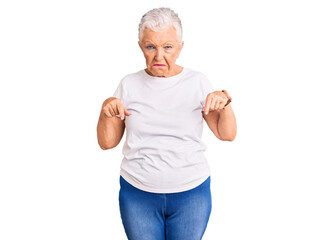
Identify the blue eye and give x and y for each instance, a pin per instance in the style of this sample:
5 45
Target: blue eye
168 47
150 47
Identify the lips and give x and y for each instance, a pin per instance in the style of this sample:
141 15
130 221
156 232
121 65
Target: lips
159 65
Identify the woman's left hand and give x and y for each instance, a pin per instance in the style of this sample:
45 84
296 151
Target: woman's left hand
216 100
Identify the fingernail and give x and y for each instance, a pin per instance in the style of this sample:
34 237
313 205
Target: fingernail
122 118
206 113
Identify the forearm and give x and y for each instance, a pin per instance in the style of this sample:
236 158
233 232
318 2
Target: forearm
107 131
226 124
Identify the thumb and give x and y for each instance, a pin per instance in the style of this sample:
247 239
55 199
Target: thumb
127 113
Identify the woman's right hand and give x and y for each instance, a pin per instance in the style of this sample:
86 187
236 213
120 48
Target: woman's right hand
113 107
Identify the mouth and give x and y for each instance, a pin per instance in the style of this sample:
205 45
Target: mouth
159 65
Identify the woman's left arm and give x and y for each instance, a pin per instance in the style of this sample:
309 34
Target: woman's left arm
226 125
220 118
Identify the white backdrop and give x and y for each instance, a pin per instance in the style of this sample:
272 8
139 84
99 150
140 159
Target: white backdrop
59 60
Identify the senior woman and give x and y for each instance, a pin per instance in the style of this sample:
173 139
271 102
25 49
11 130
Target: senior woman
164 175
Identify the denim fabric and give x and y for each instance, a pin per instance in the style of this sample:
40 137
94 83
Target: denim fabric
165 216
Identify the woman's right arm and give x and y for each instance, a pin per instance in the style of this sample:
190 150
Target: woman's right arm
110 129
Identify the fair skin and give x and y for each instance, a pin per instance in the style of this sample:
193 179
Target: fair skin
163 48
220 118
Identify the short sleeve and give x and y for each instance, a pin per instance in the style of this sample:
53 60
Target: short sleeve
119 93
206 88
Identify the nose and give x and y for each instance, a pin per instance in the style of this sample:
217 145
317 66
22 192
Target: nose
159 54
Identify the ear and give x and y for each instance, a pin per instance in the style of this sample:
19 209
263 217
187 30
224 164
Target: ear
139 43
181 47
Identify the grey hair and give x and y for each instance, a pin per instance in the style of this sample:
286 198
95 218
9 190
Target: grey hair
160 18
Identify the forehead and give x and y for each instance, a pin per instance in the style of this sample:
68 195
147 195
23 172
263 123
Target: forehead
166 35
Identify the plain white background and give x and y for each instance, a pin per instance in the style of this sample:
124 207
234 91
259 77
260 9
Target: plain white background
59 60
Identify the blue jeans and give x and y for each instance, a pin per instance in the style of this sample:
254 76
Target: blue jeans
165 216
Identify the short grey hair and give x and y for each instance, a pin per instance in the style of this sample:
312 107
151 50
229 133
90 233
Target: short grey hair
160 18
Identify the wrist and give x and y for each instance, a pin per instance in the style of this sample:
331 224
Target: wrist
228 102
226 107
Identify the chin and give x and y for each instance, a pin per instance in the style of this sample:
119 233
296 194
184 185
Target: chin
156 70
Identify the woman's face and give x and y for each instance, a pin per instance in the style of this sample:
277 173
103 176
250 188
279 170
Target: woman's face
161 49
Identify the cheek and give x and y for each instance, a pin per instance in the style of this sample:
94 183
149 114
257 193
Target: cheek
171 56
148 57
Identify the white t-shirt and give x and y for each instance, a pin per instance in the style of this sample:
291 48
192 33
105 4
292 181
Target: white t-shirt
163 151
